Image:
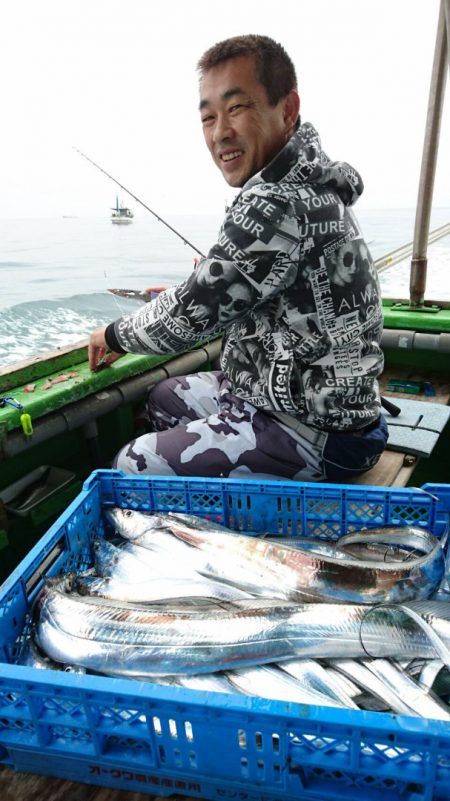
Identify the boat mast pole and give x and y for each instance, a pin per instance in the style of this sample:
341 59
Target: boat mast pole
418 274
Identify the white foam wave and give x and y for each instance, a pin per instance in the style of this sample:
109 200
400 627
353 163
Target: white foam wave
30 329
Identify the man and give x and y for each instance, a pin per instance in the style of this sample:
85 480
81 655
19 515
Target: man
297 395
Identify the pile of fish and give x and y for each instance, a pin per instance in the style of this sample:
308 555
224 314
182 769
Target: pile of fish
179 600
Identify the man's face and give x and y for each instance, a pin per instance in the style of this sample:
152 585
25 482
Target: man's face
242 130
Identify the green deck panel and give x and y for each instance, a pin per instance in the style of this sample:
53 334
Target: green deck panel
40 402
35 368
43 401
418 361
433 319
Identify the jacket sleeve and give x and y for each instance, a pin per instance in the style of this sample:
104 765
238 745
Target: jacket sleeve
255 257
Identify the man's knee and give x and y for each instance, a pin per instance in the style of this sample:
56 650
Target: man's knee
129 461
162 405
140 457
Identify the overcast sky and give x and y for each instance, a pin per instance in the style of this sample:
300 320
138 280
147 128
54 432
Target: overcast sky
117 79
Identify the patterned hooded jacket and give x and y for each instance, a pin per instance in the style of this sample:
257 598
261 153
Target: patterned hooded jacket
292 285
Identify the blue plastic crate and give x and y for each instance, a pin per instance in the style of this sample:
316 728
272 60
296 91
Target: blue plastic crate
163 740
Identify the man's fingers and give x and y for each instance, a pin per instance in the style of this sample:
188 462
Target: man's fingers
103 358
98 352
112 357
97 348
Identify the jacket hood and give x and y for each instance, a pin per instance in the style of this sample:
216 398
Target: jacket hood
302 160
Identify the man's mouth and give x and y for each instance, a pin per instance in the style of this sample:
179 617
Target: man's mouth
231 156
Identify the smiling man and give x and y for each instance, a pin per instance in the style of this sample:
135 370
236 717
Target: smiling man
291 400
243 129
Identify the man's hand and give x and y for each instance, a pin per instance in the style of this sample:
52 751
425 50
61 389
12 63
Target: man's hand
99 353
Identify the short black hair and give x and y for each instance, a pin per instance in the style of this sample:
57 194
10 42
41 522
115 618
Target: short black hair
274 68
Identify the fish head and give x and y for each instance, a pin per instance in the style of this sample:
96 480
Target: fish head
125 522
132 524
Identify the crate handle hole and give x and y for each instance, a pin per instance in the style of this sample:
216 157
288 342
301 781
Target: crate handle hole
244 767
242 738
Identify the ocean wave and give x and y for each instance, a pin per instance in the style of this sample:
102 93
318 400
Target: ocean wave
34 327
17 265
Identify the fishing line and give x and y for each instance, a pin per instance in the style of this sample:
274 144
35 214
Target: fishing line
122 311
160 219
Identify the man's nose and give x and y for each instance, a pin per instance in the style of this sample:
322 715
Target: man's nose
222 129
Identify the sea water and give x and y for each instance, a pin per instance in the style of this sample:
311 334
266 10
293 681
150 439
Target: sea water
55 273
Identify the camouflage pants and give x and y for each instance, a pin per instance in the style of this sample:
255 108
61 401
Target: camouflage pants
201 429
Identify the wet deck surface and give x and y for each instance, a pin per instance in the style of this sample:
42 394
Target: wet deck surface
30 787
394 468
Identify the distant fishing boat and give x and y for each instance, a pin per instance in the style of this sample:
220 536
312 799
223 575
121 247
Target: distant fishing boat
121 214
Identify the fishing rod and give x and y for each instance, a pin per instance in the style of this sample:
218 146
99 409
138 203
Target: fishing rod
160 219
381 264
401 253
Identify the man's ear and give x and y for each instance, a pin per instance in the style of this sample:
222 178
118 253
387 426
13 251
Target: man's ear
291 111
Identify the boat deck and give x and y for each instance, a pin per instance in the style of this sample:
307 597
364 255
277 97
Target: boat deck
30 787
396 468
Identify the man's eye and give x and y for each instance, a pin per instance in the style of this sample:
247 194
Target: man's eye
236 107
207 120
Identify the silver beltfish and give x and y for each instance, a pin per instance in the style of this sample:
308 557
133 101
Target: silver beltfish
161 588
420 701
388 544
271 569
130 562
127 639
207 682
371 683
359 550
349 688
129 572
271 682
31 656
312 675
